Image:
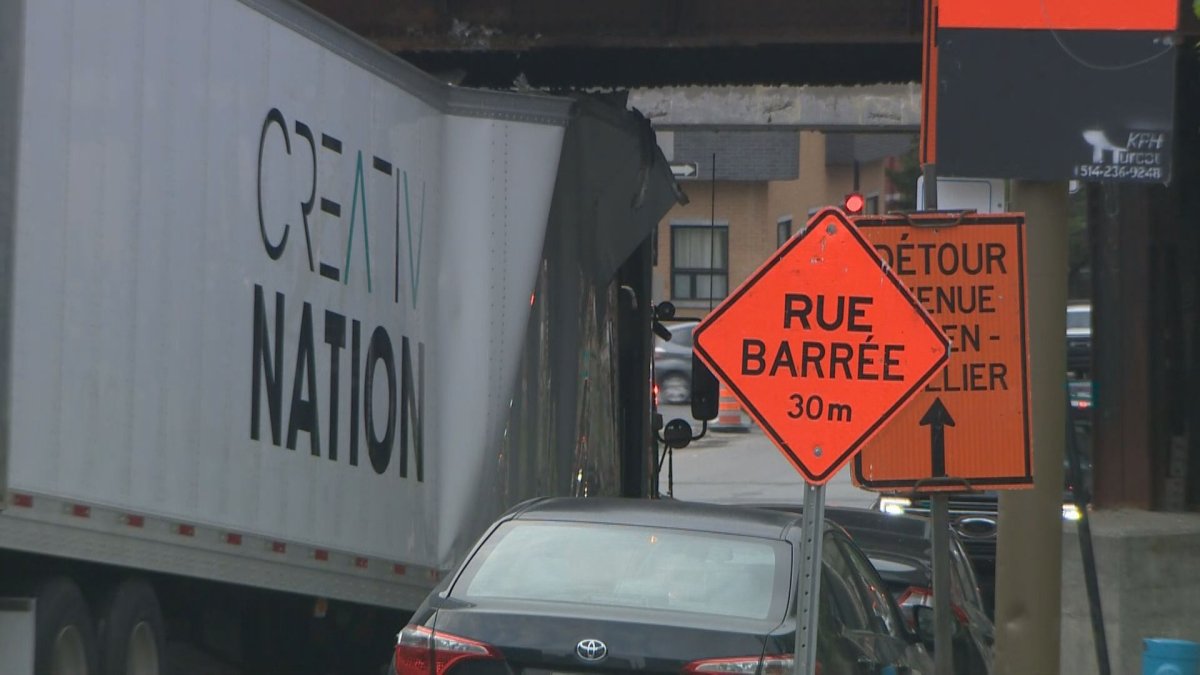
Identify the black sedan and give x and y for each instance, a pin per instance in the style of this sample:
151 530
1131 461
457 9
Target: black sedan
899 547
607 585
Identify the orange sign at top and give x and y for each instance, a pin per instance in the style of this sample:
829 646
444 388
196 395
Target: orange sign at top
927 146
971 423
822 345
1146 15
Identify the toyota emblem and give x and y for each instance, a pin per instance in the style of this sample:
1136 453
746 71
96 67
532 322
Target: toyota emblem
591 650
976 527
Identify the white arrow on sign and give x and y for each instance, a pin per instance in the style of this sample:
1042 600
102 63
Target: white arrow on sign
685 169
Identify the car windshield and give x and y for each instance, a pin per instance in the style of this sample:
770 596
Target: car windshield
630 567
681 335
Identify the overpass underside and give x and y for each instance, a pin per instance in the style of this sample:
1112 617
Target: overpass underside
551 44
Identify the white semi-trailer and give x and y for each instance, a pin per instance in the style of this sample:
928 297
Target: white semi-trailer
284 323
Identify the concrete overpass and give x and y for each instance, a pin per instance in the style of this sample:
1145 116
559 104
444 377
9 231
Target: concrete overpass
631 43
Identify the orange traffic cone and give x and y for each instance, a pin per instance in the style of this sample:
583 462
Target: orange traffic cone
730 417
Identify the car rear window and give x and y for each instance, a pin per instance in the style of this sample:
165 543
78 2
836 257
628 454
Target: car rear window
886 566
632 567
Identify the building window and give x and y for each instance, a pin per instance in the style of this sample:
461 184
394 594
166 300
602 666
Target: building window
699 262
783 231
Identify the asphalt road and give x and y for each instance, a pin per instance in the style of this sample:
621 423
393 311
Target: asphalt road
745 467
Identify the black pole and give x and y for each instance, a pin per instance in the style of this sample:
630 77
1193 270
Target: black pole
1080 494
671 470
929 188
712 232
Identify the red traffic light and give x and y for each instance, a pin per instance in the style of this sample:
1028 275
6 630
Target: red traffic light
853 204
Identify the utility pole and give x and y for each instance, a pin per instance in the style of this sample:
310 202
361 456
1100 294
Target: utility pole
1029 556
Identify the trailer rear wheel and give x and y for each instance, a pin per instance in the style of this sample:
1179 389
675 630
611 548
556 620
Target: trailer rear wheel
65 638
132 639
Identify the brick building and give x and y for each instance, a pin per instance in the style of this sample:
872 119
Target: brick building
767 183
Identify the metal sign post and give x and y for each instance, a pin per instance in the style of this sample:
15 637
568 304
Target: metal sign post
943 650
937 418
808 590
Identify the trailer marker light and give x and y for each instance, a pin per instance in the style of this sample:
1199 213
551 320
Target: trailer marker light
399 569
81 511
134 521
233 539
24 501
278 547
321 554
360 563
187 530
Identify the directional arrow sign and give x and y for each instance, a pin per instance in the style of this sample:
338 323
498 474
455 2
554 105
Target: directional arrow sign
685 169
969 273
937 418
822 345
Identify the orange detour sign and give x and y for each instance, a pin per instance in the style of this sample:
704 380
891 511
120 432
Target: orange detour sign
971 423
822 345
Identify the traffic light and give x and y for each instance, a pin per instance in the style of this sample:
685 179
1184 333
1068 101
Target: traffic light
853 204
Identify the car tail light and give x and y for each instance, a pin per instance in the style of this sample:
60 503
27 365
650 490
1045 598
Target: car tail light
960 614
919 595
915 595
421 651
780 664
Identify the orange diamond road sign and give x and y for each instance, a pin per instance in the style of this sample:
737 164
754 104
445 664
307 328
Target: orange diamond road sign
822 345
971 423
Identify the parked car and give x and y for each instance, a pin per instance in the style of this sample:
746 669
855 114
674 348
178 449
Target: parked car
899 547
1079 396
1079 338
973 517
673 364
611 585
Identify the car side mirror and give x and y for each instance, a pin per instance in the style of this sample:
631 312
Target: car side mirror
706 392
663 311
677 434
